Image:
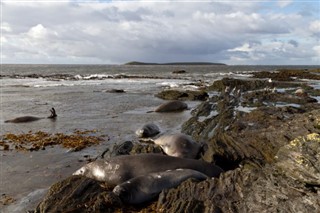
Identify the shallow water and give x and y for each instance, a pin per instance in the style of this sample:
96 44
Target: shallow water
82 102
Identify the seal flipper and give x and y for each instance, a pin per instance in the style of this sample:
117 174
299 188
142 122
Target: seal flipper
53 113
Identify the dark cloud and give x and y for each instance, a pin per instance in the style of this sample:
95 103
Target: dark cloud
294 43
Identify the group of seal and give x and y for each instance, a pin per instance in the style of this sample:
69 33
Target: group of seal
145 167
140 178
25 119
177 145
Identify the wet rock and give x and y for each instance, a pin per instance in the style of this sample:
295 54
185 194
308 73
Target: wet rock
117 149
115 91
179 71
75 194
246 189
232 124
247 85
145 148
192 95
288 74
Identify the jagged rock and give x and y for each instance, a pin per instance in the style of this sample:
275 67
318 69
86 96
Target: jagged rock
117 149
192 95
246 189
300 159
129 147
234 134
288 75
77 194
247 85
145 148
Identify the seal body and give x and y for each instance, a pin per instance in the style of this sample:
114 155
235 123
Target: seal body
146 187
179 145
23 119
119 169
148 130
171 106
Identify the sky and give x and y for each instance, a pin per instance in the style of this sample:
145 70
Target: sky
278 32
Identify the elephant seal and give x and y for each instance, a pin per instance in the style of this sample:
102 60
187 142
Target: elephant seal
119 169
148 130
179 145
146 187
25 119
171 106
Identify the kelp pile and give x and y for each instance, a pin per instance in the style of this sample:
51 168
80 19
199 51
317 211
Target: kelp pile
6 200
34 141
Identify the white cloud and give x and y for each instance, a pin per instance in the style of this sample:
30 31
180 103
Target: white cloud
5 27
315 27
38 32
116 32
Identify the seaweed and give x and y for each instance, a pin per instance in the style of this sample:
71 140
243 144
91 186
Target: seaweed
34 141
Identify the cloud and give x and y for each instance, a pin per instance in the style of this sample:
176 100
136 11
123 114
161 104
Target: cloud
314 27
121 31
284 3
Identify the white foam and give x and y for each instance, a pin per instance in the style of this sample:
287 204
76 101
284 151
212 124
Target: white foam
212 114
245 109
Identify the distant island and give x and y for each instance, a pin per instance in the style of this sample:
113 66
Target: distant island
173 63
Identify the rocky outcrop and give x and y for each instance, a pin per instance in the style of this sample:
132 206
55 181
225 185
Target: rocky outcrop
289 75
78 194
191 95
279 187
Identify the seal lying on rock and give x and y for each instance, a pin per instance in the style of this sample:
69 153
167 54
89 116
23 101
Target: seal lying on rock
171 106
25 119
148 130
119 169
146 187
179 145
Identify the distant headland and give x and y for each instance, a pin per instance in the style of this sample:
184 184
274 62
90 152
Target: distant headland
174 63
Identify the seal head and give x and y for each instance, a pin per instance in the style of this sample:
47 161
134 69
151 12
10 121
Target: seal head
179 145
148 130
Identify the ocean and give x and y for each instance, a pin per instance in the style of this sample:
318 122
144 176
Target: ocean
83 98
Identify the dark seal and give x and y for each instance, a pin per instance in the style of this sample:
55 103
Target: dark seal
171 106
26 119
146 187
148 130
